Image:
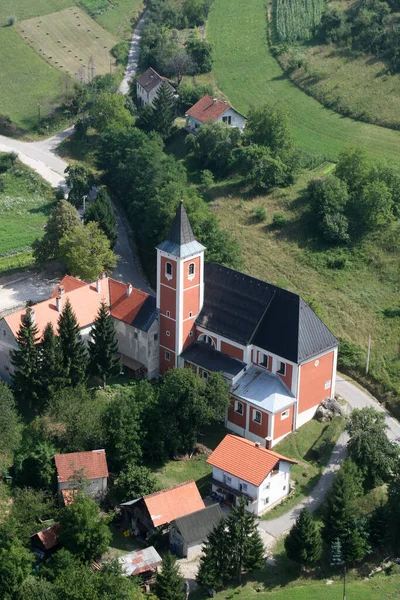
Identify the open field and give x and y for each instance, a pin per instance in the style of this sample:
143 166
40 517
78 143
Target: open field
25 80
248 74
26 9
70 40
117 20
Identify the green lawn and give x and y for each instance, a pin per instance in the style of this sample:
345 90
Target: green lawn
117 20
247 73
26 9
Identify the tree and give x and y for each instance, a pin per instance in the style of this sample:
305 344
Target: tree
169 582
268 126
217 397
356 544
200 51
328 198
36 588
374 205
10 422
63 220
28 511
84 532
379 526
102 212
134 481
247 549
304 543
145 120
16 564
393 510
369 446
103 346
110 108
164 111
336 553
80 180
73 350
50 376
36 469
353 168
213 146
261 167
214 569
182 64
86 252
25 361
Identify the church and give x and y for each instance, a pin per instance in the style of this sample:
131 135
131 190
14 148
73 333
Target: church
277 355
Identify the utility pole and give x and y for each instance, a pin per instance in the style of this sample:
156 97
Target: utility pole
38 107
344 585
368 355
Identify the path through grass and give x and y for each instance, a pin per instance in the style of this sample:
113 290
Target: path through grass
248 74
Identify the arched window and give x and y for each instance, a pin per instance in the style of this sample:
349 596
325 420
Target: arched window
191 270
168 270
206 339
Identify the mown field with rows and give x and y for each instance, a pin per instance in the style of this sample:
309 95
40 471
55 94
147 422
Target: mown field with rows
298 19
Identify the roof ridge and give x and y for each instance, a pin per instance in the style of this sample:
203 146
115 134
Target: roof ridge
253 444
177 485
125 283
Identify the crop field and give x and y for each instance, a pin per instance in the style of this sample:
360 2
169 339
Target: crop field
247 73
26 9
70 40
297 19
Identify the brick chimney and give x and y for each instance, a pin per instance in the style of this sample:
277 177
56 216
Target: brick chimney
128 289
103 275
61 290
33 315
59 303
214 101
98 285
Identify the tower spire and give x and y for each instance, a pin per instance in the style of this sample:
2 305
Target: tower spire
180 240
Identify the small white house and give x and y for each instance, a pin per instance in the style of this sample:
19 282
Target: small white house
242 468
147 87
211 110
90 466
187 534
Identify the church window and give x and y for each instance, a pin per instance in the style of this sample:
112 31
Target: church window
168 270
190 314
207 339
167 355
168 333
168 313
190 333
191 270
239 407
257 416
264 360
285 414
205 375
282 369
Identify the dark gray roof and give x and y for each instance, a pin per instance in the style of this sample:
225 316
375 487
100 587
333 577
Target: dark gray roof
209 358
150 79
180 239
146 315
196 526
248 310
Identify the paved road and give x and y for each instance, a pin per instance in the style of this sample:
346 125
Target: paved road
133 58
356 398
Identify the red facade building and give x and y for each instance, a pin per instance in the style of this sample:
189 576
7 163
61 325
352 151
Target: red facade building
277 355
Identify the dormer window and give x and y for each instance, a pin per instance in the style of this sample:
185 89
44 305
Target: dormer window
191 271
168 270
207 339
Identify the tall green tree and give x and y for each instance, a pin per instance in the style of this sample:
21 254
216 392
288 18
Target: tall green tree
247 549
10 422
73 350
63 219
169 582
103 346
268 125
356 542
214 570
304 542
50 375
25 361
36 469
16 563
393 508
80 180
213 147
164 111
134 481
337 559
102 212
84 532
200 51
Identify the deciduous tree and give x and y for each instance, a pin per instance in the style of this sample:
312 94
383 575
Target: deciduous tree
10 422
63 220
80 180
134 481
16 564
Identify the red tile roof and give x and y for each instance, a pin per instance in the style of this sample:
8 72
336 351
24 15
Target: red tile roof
49 536
124 307
174 502
69 284
93 465
243 459
208 109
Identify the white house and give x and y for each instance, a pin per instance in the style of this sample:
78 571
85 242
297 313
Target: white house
92 466
242 468
211 110
147 87
187 534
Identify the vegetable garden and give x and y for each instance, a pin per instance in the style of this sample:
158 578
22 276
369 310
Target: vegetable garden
298 19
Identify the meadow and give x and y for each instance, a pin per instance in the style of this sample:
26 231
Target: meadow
118 19
69 40
249 75
26 9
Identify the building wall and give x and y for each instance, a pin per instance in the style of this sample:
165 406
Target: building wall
236 119
274 488
315 382
259 429
94 487
7 344
287 377
235 483
283 426
236 418
140 345
231 350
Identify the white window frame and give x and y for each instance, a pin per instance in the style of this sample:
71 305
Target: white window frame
168 275
266 500
255 412
237 402
167 332
261 360
285 414
207 339
328 384
282 372
244 487
228 479
168 313
191 275
205 375
167 355
190 333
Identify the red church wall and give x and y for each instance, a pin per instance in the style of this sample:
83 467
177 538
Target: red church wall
167 325
188 326
287 378
171 282
168 301
191 302
282 426
260 429
312 381
231 350
165 365
187 283
234 417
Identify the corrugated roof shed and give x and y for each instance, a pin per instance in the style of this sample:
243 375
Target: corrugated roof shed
140 561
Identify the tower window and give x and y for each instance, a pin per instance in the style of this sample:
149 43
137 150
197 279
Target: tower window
167 356
190 314
168 333
168 270
191 270
168 313
207 339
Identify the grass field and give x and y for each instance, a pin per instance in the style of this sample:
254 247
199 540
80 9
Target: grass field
25 80
248 74
26 9
69 40
117 20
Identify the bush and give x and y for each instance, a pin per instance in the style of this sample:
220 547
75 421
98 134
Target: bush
259 214
11 20
350 355
121 52
336 262
189 95
7 161
279 220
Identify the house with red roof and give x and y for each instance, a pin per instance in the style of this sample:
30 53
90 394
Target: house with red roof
134 313
74 467
212 110
46 541
242 468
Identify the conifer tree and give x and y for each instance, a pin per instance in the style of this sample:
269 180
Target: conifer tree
356 543
103 359
304 542
169 582
214 567
73 351
340 507
336 553
49 366
164 111
25 361
101 211
247 550
379 526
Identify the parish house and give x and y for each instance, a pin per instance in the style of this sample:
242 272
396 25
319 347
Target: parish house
148 85
212 110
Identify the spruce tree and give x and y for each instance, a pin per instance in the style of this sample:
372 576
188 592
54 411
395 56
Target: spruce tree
73 351
25 361
103 349
50 377
169 582
247 550
304 542
101 211
340 506
356 542
336 553
379 526
214 567
164 111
